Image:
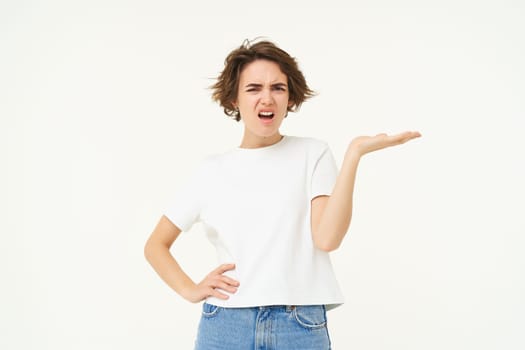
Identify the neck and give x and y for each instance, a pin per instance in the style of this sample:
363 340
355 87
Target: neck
253 141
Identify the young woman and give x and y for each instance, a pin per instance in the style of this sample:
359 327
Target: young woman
274 207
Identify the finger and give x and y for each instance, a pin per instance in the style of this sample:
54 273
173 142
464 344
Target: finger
230 281
403 134
411 135
402 137
394 139
226 287
223 268
219 282
217 294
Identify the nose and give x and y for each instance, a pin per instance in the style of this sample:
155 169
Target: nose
266 97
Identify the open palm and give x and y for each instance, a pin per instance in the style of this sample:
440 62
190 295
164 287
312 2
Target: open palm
367 144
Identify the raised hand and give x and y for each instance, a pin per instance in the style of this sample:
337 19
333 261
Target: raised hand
362 145
211 284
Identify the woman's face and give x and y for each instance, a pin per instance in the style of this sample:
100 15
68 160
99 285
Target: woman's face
262 97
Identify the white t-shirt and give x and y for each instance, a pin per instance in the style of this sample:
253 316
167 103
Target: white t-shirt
255 204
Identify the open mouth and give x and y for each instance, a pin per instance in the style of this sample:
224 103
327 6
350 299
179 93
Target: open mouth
266 115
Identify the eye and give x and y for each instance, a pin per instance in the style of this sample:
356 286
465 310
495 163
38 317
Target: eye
279 88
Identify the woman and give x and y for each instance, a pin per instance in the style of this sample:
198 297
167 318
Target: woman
274 207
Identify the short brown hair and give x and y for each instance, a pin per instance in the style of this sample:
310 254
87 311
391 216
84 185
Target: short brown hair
226 88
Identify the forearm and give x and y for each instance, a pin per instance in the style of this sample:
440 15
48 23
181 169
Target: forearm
160 258
337 214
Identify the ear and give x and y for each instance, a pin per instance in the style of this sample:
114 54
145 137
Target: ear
290 103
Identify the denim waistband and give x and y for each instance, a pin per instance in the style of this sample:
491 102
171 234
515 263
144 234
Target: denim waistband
287 308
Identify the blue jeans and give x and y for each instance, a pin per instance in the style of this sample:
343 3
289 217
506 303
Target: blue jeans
279 327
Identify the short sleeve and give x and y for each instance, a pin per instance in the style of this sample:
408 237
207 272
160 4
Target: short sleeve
185 207
324 174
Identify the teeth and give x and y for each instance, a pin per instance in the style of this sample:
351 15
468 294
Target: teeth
266 114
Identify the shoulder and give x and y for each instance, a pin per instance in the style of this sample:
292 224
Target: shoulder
309 141
313 146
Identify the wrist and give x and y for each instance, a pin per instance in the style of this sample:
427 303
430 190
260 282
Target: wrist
353 154
186 290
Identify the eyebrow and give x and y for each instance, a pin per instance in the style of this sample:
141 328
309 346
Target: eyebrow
260 85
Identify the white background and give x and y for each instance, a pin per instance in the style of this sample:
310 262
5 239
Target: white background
105 111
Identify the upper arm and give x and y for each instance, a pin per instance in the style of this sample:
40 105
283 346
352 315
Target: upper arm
318 205
165 233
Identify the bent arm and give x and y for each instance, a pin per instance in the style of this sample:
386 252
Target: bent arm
157 253
334 221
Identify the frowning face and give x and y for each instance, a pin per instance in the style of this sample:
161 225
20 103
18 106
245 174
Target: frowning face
262 97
